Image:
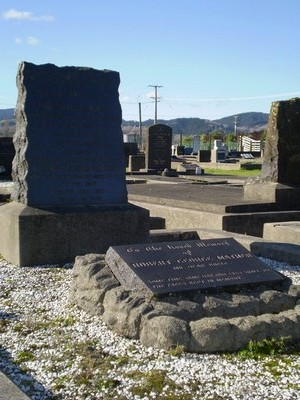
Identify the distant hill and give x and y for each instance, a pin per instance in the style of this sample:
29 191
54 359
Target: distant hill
7 122
7 114
246 122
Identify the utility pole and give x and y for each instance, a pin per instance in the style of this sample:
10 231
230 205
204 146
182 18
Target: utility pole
156 100
235 125
140 126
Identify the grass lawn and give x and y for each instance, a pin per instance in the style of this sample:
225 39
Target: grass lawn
240 172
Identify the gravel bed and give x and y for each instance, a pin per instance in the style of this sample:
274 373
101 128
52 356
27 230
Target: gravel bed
53 350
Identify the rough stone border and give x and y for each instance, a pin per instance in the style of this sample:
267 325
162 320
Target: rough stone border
200 322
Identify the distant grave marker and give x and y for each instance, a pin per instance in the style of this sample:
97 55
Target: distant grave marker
187 265
158 147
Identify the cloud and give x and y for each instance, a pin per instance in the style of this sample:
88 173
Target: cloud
26 16
32 41
150 95
124 99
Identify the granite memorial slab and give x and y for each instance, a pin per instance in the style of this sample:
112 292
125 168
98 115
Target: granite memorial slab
189 265
158 147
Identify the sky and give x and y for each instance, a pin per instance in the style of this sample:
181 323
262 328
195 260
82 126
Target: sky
209 58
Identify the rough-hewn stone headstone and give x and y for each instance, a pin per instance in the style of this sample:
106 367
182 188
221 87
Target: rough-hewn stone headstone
187 265
69 147
279 180
158 147
282 148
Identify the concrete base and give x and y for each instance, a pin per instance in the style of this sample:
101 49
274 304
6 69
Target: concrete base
285 232
285 252
136 162
251 223
31 236
286 197
9 390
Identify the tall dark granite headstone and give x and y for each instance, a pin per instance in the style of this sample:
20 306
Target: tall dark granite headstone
279 180
69 145
70 195
158 148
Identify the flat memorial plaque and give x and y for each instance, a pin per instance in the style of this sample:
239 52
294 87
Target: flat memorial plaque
187 265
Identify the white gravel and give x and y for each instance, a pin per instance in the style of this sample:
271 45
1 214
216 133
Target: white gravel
53 350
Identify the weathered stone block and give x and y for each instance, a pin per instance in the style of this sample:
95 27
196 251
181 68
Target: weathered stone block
124 311
165 332
31 236
212 334
92 278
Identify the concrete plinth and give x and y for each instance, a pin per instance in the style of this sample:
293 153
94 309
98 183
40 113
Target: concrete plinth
286 197
31 236
285 232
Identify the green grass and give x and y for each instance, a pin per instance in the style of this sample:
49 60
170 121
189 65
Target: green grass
238 172
24 356
177 351
269 347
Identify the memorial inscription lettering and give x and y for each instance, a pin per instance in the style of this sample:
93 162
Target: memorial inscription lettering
191 265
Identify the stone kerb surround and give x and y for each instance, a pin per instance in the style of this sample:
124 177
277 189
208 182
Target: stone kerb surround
225 321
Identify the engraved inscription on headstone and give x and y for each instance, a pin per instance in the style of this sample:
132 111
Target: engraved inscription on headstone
158 147
68 141
187 265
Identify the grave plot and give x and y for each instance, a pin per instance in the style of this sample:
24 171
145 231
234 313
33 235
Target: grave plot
206 295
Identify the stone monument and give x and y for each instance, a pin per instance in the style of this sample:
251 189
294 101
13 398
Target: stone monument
279 181
158 148
69 193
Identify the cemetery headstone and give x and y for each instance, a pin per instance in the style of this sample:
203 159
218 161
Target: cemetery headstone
130 149
70 193
279 180
204 156
187 265
158 148
7 153
69 147
136 162
218 155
